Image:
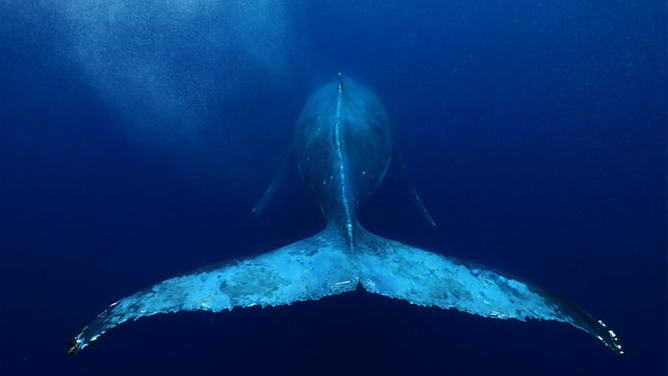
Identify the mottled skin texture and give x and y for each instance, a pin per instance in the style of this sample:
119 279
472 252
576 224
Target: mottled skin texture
343 145
365 145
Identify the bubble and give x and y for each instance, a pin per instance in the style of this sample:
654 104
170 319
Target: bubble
168 66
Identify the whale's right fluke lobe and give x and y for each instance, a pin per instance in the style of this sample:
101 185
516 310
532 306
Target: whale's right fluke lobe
423 278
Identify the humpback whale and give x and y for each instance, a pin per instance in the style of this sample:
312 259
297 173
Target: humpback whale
343 146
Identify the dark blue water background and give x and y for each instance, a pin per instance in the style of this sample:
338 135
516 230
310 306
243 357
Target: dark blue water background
535 132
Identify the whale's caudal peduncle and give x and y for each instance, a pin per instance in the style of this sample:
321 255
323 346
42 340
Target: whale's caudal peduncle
343 146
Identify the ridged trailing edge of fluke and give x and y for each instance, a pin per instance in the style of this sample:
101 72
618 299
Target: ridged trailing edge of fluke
342 148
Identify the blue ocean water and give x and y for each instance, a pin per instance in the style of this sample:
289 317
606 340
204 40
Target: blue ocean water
136 137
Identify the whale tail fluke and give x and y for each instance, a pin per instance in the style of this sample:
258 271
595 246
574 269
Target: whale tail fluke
325 264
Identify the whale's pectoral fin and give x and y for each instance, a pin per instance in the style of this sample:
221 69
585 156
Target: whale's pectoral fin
414 195
275 185
306 270
403 272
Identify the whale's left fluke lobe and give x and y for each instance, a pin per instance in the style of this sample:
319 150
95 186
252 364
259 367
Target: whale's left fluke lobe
305 270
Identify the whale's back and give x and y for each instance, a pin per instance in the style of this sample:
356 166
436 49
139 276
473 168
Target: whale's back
343 141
